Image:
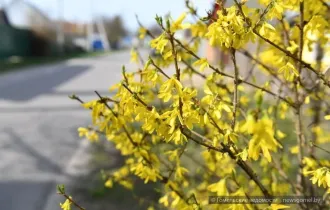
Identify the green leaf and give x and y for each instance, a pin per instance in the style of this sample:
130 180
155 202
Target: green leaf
61 189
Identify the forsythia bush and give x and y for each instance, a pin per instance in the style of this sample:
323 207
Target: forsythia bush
235 135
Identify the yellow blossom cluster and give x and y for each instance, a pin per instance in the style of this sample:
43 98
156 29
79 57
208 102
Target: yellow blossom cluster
244 131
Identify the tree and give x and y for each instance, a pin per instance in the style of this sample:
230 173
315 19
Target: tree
155 30
115 29
238 136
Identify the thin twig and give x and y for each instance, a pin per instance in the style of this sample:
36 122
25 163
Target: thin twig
232 77
324 150
235 99
72 201
137 97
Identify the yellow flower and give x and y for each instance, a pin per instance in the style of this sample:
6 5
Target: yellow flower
83 131
289 71
327 117
320 176
264 2
263 137
66 205
127 184
266 29
159 43
293 47
93 136
280 134
276 11
109 183
220 188
180 171
165 91
134 56
307 100
167 55
229 30
177 25
199 29
243 155
294 149
164 200
142 33
278 206
202 63
89 105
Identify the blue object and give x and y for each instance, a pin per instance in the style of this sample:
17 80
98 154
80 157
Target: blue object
98 45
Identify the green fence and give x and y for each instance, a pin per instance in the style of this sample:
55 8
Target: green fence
14 42
25 43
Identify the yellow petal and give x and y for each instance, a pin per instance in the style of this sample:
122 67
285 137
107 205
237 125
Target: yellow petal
278 206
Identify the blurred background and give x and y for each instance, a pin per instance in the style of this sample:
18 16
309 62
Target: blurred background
55 27
50 49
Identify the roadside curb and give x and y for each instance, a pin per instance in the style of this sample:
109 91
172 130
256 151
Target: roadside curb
75 167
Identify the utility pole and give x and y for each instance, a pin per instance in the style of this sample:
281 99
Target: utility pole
90 29
103 34
60 32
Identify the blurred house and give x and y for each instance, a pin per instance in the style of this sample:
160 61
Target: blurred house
33 33
30 33
75 34
24 15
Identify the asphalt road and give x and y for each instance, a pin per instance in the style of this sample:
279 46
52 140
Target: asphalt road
38 122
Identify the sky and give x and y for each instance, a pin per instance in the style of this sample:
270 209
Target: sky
83 10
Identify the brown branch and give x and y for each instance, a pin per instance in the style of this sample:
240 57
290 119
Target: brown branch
180 154
235 99
226 149
325 4
300 136
140 56
147 31
102 100
320 75
248 170
178 72
188 133
317 105
159 69
137 97
124 127
316 146
232 77
204 76
71 200
301 35
285 176
268 68
285 32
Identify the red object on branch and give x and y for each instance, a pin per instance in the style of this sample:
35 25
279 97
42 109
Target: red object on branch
214 15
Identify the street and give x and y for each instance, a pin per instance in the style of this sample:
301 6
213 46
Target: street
39 143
